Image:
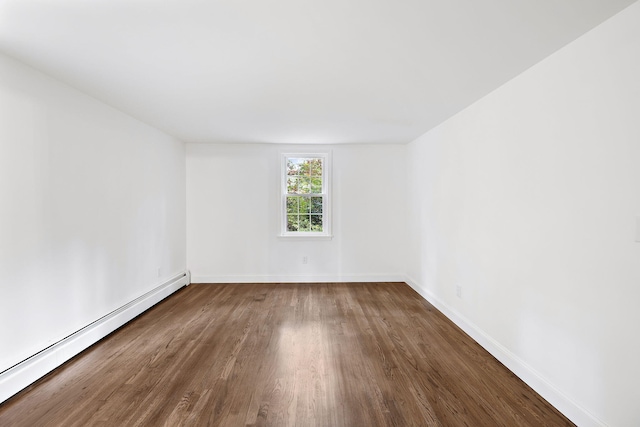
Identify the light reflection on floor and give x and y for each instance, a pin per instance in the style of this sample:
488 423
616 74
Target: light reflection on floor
304 357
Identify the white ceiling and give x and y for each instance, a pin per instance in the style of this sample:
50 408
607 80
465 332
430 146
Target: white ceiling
292 71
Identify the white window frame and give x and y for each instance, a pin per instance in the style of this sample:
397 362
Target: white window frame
326 196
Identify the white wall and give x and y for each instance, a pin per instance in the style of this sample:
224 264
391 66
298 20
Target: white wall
528 201
92 210
233 216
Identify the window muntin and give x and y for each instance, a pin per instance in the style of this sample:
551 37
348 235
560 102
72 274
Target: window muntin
305 195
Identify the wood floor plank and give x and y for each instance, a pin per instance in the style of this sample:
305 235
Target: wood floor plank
340 354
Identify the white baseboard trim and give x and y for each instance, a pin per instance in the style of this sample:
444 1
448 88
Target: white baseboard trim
35 367
298 279
576 413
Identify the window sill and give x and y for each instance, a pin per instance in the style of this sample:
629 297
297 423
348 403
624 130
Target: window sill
305 236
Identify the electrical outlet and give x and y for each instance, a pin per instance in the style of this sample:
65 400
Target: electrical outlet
305 260
459 291
159 272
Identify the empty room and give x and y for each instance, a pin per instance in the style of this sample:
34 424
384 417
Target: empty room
320 213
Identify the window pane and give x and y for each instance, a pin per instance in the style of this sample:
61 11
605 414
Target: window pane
292 222
305 223
304 185
316 205
316 222
292 185
305 205
315 167
293 166
316 185
305 168
292 205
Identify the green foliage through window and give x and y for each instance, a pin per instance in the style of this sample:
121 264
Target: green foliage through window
304 198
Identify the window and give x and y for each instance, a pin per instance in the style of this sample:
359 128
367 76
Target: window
305 195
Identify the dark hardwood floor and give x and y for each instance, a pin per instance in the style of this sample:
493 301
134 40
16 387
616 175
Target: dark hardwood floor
344 354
